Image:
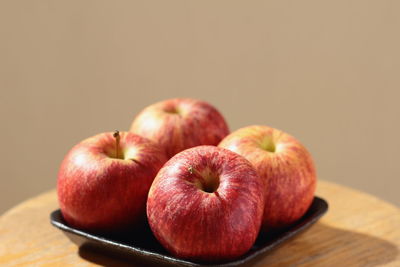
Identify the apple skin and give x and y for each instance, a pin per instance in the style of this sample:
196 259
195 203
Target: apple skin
98 191
285 166
196 217
181 123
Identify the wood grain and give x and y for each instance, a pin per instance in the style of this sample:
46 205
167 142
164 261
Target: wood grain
358 230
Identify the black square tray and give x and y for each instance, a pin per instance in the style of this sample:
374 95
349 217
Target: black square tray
145 249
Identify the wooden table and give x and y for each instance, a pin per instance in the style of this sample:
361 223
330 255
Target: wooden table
358 230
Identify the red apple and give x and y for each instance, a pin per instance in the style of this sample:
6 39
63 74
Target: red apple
285 166
103 181
181 123
206 204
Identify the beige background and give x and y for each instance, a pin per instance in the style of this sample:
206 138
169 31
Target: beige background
325 71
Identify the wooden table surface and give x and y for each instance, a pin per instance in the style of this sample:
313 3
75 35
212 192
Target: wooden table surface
358 230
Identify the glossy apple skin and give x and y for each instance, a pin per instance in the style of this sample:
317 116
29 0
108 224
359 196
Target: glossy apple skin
99 192
193 224
181 123
288 173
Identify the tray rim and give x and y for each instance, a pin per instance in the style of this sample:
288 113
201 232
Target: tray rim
286 235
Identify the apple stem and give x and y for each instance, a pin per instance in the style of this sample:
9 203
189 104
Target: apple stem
117 138
190 169
136 161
